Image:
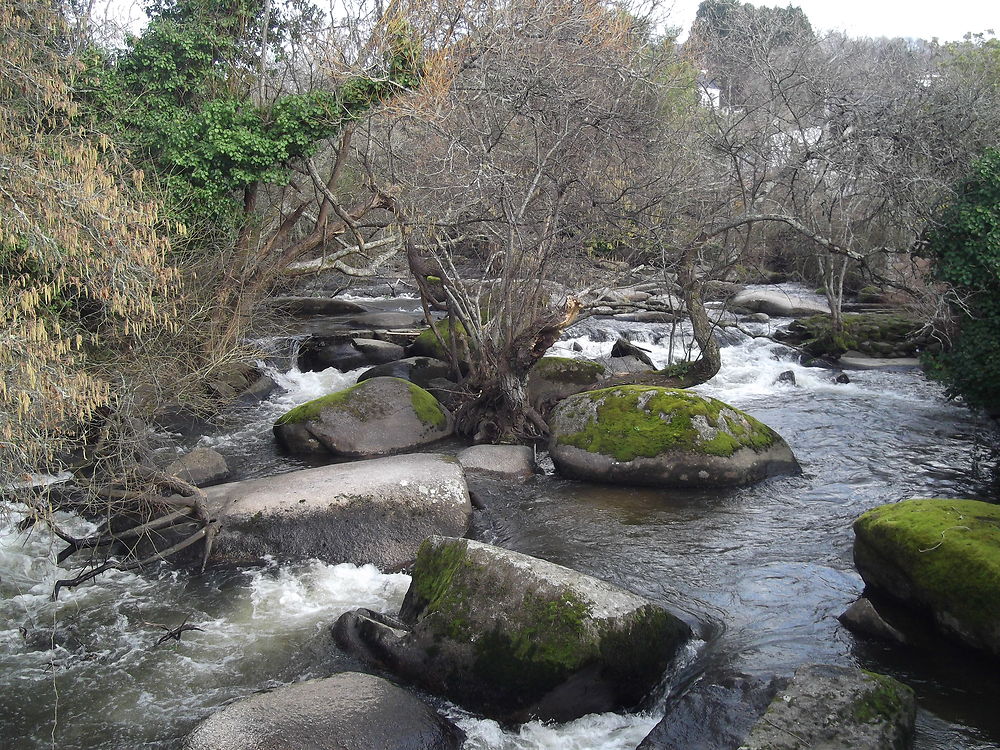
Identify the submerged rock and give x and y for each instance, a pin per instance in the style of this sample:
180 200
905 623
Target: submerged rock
668 437
937 556
862 618
376 511
837 707
514 637
349 711
372 418
554 378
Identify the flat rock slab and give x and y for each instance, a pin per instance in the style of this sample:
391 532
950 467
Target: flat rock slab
349 711
515 462
316 306
838 708
376 511
859 361
779 303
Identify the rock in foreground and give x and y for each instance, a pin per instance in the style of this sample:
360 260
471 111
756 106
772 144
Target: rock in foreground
940 557
349 711
837 707
376 511
665 437
515 637
373 418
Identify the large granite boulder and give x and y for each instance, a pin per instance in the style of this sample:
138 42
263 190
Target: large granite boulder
837 707
515 637
647 435
419 370
554 378
938 556
376 511
372 418
778 303
349 711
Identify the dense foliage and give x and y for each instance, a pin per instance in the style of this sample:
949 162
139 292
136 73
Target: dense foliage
966 249
82 268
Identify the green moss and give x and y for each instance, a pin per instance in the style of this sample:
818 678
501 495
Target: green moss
883 702
634 421
949 549
427 344
819 339
433 586
433 279
659 631
568 370
311 409
426 407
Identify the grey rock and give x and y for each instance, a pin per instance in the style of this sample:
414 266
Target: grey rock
316 306
514 462
591 439
419 370
349 711
515 637
373 418
382 320
201 467
837 707
788 376
842 378
778 303
623 365
625 348
346 353
554 378
376 511
862 617
716 713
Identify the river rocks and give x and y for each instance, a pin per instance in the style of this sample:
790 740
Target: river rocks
427 345
374 417
419 370
320 353
554 378
788 376
384 320
511 462
669 437
862 618
882 335
201 467
515 637
376 511
349 711
316 306
715 714
778 303
941 557
837 707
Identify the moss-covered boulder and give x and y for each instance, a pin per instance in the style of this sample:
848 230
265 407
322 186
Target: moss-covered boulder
516 637
373 418
828 706
938 556
554 378
667 437
890 335
427 344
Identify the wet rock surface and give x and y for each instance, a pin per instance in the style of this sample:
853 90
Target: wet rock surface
516 637
349 711
376 511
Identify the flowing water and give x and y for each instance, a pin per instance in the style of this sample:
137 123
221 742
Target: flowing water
761 572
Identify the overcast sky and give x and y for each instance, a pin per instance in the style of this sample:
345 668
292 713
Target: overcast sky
947 20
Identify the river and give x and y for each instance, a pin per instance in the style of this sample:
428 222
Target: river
760 571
